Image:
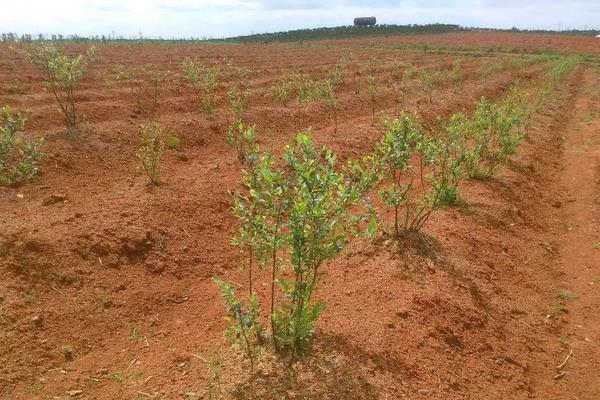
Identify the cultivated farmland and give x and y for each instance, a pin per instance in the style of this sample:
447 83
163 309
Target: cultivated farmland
392 217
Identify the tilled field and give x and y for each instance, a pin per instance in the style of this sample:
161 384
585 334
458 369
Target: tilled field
105 289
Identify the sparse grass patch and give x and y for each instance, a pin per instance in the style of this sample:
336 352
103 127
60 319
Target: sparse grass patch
588 119
173 141
136 334
565 340
104 303
564 294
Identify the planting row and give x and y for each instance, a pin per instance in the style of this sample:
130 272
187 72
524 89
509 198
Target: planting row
298 213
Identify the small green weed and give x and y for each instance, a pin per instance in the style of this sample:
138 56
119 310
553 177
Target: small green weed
564 294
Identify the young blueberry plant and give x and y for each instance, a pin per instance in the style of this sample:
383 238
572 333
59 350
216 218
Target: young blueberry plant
238 103
428 79
408 192
450 150
456 74
281 91
152 150
319 221
373 93
243 320
497 133
294 219
147 85
204 81
19 157
337 74
305 92
242 138
324 91
62 74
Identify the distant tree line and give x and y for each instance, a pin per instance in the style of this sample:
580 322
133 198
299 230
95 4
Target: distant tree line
339 32
14 37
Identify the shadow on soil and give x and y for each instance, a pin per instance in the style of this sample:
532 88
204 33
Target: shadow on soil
336 369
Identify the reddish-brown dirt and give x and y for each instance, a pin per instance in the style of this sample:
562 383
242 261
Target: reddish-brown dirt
499 40
575 225
104 282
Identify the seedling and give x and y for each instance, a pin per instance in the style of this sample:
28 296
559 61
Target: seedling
565 340
136 334
243 321
19 157
173 141
305 91
324 91
241 138
373 92
61 75
293 219
105 303
204 80
429 79
564 294
497 133
214 387
455 74
337 75
408 189
151 151
238 103
281 91
399 90
450 154
147 86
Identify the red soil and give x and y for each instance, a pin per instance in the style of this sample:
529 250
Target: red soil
502 40
88 252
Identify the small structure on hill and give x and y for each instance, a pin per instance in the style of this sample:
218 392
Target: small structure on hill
365 21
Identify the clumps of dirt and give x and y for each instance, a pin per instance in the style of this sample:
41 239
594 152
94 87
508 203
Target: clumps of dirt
141 247
135 247
54 199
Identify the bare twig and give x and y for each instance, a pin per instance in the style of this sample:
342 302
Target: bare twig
133 362
525 323
560 375
144 394
565 362
236 284
56 290
200 357
178 301
186 232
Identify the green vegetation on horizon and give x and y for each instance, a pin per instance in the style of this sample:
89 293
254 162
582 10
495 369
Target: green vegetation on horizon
337 32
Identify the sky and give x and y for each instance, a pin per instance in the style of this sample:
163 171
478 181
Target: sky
224 18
